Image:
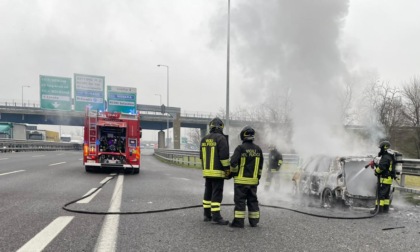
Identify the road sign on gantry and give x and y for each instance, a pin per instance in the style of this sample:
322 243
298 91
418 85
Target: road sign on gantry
89 91
55 92
122 99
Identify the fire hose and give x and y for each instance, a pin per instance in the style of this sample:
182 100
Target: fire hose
66 208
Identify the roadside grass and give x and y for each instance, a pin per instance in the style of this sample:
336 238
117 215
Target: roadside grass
412 181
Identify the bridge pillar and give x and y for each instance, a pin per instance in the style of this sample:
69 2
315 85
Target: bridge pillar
161 139
177 131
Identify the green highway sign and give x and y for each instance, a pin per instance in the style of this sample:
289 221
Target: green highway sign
89 92
55 92
122 99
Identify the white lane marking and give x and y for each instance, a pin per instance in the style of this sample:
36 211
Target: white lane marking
60 154
39 156
181 178
57 164
43 238
107 240
4 158
7 173
80 159
105 180
88 199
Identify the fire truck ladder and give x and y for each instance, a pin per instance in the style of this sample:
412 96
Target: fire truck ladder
92 122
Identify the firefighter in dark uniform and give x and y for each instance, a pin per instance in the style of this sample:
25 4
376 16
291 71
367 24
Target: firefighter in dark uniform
275 160
246 168
384 170
214 155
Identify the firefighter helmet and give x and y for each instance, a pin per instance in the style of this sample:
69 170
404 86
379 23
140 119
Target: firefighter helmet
384 145
216 123
247 133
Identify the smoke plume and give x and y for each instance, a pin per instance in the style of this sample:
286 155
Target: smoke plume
292 48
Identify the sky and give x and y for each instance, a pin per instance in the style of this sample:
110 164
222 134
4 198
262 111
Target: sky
276 45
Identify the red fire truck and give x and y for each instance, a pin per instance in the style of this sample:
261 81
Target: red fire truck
111 140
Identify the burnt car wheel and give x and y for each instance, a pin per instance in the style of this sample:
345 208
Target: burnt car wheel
327 198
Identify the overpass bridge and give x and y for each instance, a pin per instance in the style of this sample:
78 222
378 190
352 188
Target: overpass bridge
150 115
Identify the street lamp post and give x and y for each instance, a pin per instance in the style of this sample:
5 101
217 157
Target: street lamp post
22 92
167 101
160 99
227 71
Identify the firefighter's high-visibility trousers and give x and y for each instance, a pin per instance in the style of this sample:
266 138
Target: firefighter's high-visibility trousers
246 195
213 194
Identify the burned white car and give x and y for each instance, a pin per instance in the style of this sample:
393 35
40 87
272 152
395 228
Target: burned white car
342 181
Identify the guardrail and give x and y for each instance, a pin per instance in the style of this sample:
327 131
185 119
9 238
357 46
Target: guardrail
410 167
11 145
191 158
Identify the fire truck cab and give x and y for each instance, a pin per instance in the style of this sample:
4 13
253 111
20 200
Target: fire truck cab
111 140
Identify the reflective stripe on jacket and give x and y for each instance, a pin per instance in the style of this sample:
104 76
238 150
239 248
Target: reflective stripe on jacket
247 164
214 155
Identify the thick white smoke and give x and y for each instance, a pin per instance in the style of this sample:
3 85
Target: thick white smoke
282 45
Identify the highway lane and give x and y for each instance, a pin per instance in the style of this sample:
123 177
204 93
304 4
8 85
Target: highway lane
32 200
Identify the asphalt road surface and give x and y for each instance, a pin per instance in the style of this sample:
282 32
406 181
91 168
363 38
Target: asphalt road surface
34 186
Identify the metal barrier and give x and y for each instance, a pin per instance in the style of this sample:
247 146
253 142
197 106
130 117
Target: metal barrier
11 145
191 158
410 167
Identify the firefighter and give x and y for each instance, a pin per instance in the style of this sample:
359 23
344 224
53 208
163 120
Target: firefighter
275 160
246 168
383 169
214 155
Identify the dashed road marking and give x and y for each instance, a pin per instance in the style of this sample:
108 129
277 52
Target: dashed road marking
39 156
4 158
7 173
88 199
43 238
181 178
57 164
105 180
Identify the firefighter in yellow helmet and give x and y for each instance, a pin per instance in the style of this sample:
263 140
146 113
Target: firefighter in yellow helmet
214 155
246 167
384 169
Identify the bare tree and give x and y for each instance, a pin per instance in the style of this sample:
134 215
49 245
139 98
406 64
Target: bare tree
346 99
386 102
411 93
195 136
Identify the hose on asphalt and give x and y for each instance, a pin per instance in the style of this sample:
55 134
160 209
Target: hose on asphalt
66 208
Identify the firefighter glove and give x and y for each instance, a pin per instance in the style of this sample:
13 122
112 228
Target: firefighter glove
228 174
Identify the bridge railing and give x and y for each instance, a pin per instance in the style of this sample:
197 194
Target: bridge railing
11 145
12 103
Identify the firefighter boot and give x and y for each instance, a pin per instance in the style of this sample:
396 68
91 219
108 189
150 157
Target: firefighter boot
207 214
385 209
218 219
237 223
253 222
